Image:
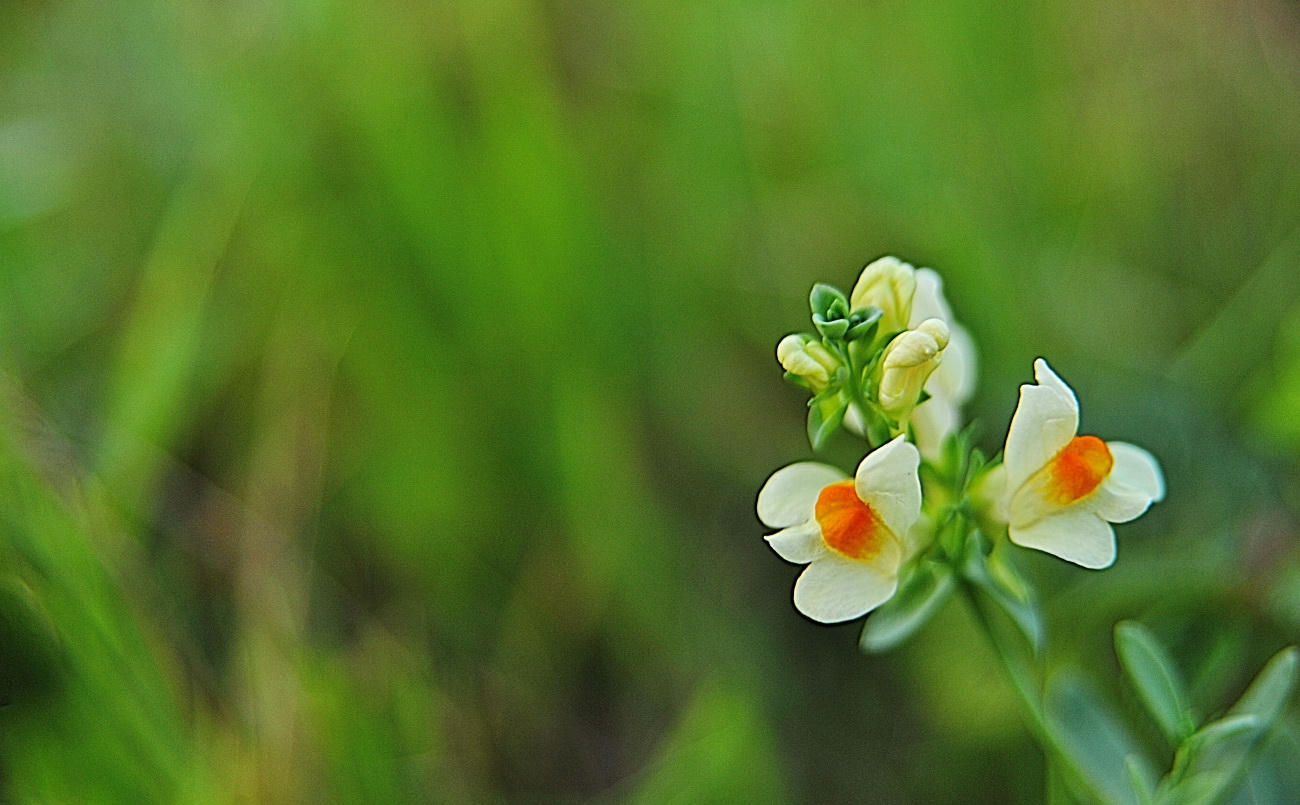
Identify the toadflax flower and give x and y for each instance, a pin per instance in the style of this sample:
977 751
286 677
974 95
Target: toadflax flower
851 532
1064 490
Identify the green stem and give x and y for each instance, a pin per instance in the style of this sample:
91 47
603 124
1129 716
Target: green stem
1028 690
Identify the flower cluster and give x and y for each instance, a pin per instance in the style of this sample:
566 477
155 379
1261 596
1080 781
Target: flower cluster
888 362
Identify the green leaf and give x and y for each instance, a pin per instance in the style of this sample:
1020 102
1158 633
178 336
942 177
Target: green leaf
1084 727
1269 692
1155 679
1139 779
1019 605
919 595
1209 763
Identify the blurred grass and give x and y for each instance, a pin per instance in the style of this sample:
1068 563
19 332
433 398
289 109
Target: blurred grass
391 382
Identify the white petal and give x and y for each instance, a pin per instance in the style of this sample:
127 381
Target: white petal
853 421
799 543
932 421
1136 468
790 495
1117 502
1046 419
834 589
928 303
1075 534
955 377
887 481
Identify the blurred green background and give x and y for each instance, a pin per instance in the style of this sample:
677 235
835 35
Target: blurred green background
387 385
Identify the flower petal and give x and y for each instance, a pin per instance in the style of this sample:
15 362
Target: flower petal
1046 419
799 543
932 422
1138 469
1075 534
834 589
1117 502
887 481
929 303
790 495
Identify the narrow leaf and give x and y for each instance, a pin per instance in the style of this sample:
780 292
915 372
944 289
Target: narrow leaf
1084 727
1269 692
1155 679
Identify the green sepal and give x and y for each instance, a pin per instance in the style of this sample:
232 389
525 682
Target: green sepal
824 417
1155 679
828 302
920 593
834 329
863 323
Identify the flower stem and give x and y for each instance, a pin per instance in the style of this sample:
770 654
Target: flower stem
1026 683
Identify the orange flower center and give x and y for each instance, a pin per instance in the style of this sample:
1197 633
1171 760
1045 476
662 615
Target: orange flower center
849 525
1078 469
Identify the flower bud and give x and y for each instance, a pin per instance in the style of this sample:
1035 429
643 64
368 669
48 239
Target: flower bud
805 357
907 363
888 284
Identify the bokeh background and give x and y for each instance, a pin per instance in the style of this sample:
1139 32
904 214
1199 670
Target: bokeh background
387 385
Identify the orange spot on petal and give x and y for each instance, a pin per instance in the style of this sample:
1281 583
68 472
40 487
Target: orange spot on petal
1079 469
849 526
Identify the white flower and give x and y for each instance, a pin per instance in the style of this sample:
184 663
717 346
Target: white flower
953 382
1063 490
889 284
907 363
850 532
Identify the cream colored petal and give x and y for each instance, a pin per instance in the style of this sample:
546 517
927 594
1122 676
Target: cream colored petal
1074 533
932 421
887 481
853 421
955 377
929 303
1136 468
1046 419
834 589
1117 502
790 495
800 544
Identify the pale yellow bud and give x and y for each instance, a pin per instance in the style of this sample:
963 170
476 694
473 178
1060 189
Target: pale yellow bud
889 284
907 363
807 358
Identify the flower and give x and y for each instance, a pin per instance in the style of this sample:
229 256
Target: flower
852 533
889 284
1063 490
907 363
806 358
953 381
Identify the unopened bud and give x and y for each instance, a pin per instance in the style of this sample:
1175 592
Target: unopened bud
889 284
907 363
807 358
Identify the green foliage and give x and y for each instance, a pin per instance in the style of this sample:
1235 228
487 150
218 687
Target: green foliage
923 588
1155 679
384 384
